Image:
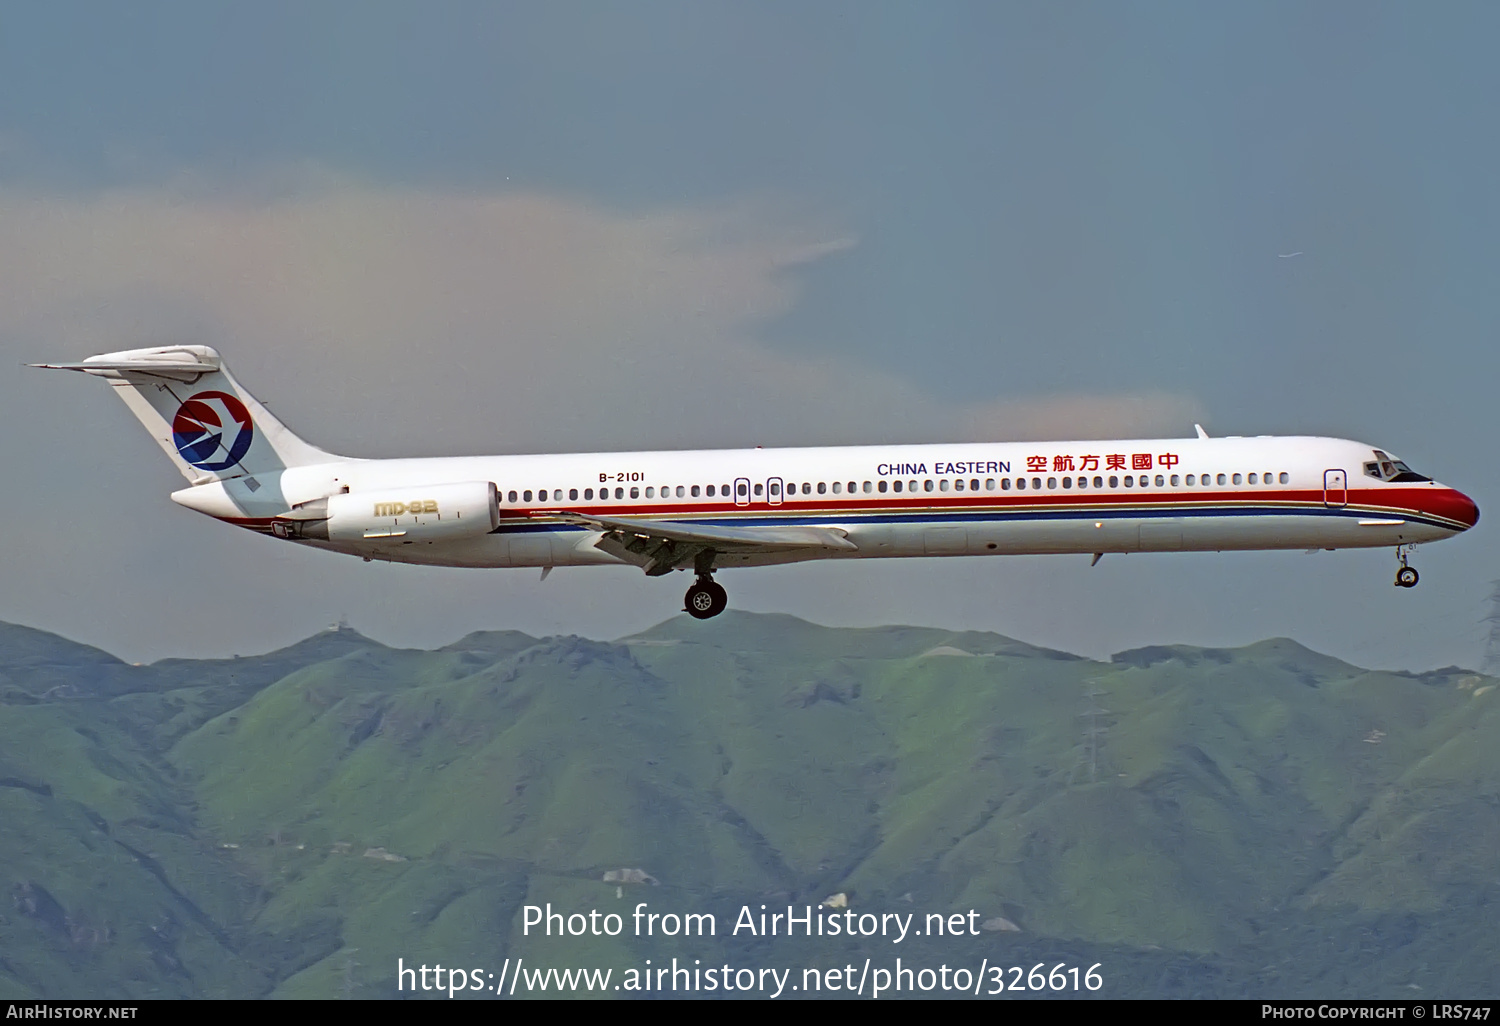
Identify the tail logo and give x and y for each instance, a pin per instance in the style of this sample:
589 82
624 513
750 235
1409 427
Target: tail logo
213 430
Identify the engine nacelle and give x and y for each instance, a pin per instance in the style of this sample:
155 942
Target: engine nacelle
418 513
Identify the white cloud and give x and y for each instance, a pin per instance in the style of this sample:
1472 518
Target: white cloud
1147 415
393 320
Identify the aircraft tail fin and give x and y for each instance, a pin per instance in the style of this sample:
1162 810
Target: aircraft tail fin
206 423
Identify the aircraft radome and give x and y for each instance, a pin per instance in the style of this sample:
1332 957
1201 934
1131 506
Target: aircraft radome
712 510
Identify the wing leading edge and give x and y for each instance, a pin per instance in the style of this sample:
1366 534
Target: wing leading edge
659 547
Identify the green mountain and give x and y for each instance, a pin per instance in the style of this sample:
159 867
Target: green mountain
1262 821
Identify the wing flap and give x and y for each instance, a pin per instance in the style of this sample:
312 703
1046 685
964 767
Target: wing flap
724 538
662 546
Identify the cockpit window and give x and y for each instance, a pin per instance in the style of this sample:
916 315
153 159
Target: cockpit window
1384 468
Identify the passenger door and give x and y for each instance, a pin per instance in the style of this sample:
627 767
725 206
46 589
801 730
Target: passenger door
1335 488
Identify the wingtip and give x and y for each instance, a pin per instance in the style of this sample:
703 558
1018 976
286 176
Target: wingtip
1199 428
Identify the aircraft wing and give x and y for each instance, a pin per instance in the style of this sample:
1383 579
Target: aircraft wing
660 547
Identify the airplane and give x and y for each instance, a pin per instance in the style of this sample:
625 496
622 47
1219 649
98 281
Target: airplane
710 510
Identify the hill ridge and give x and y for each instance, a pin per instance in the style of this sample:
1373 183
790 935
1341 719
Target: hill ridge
1252 821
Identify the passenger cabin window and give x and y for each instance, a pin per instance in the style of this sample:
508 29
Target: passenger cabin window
989 484
1285 478
1222 479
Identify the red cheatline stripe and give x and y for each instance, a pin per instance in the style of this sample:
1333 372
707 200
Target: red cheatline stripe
988 504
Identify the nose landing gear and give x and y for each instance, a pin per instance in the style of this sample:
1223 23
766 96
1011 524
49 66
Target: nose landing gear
706 598
1406 576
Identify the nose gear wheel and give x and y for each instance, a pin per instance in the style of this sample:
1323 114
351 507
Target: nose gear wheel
1406 576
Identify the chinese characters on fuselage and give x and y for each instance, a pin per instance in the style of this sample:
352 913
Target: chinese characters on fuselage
1112 461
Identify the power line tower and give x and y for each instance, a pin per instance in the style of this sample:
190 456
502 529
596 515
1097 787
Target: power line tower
1492 643
1093 730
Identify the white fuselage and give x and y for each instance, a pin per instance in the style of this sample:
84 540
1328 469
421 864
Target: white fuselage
899 500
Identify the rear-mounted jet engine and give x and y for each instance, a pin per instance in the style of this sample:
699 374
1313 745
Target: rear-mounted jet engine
419 513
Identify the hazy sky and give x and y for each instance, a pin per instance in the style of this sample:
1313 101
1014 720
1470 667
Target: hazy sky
460 228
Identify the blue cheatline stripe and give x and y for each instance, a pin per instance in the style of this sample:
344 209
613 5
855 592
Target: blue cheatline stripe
981 516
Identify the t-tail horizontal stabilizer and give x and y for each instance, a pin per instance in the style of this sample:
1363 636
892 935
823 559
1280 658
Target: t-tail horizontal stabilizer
207 424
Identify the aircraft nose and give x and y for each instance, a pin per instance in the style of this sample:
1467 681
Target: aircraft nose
1458 506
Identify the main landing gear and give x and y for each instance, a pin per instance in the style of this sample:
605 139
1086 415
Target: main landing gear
1406 576
706 598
